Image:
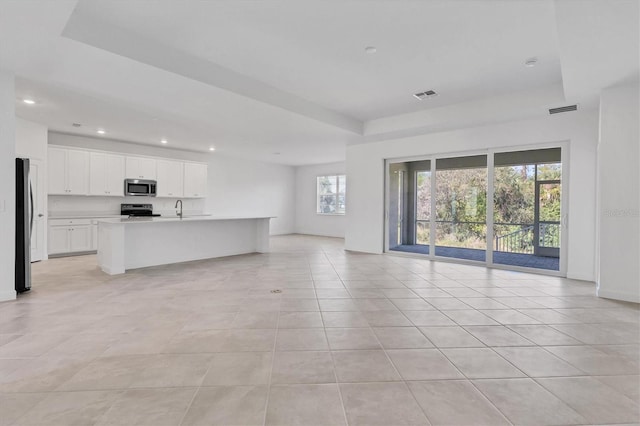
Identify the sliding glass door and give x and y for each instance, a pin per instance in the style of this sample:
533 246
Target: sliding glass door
461 207
439 207
527 208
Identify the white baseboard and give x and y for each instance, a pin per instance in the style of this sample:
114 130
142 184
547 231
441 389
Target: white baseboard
616 295
581 277
7 295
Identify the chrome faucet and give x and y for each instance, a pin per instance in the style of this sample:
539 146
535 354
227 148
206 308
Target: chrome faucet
176 206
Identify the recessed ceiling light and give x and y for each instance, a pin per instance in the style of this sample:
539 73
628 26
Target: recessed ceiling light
163 141
276 153
76 124
370 50
28 101
100 131
212 148
531 62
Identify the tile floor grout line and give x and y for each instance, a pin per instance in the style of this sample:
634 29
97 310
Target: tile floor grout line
333 361
269 379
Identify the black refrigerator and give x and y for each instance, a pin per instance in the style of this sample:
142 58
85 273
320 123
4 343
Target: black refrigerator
24 225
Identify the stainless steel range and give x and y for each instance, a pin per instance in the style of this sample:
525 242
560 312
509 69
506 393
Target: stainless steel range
135 210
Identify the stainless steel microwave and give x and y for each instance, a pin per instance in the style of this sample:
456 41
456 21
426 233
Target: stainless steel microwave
140 187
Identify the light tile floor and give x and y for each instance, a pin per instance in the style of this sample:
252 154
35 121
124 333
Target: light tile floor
350 338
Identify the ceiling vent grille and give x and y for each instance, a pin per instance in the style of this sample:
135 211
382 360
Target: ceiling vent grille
563 109
425 95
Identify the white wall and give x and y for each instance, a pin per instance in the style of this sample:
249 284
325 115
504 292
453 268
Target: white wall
365 171
619 200
31 140
235 187
31 143
307 220
247 188
7 186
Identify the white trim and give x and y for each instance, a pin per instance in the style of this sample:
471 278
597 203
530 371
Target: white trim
385 203
7 296
433 216
564 207
616 295
490 202
125 154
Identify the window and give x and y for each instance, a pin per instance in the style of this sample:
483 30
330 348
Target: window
331 194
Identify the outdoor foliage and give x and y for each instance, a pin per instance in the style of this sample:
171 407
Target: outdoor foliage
331 194
461 205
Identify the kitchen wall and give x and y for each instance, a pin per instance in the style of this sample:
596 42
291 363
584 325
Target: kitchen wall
31 143
619 199
307 220
235 187
31 140
7 186
365 172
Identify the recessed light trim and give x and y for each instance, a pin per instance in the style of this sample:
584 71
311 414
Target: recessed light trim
164 141
101 131
531 62
371 50
28 101
211 148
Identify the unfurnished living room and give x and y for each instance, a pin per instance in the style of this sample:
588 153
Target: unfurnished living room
312 212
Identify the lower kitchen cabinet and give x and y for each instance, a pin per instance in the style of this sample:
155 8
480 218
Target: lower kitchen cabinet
70 236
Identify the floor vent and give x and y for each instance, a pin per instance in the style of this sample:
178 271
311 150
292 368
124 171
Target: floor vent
424 95
563 109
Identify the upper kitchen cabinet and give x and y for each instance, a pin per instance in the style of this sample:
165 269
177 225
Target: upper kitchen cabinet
68 172
141 168
106 174
195 180
170 178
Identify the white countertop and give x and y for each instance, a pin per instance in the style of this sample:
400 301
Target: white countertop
187 218
83 216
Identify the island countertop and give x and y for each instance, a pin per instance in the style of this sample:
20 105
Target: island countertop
168 219
130 243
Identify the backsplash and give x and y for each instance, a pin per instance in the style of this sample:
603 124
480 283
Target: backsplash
68 205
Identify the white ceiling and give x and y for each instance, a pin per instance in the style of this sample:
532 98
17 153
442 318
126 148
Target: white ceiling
255 78
463 49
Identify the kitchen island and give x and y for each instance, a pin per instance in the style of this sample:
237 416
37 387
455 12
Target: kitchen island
129 243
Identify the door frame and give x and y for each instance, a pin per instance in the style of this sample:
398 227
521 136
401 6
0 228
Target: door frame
537 249
40 216
564 145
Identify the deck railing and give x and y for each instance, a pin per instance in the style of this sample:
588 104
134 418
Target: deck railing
518 241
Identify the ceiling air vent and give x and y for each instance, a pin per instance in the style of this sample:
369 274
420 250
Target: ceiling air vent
424 95
563 109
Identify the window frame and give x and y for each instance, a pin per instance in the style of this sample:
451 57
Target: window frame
340 191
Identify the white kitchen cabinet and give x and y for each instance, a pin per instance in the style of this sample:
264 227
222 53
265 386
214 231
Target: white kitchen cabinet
58 239
80 238
68 172
170 178
69 236
106 174
94 236
141 168
57 165
195 180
